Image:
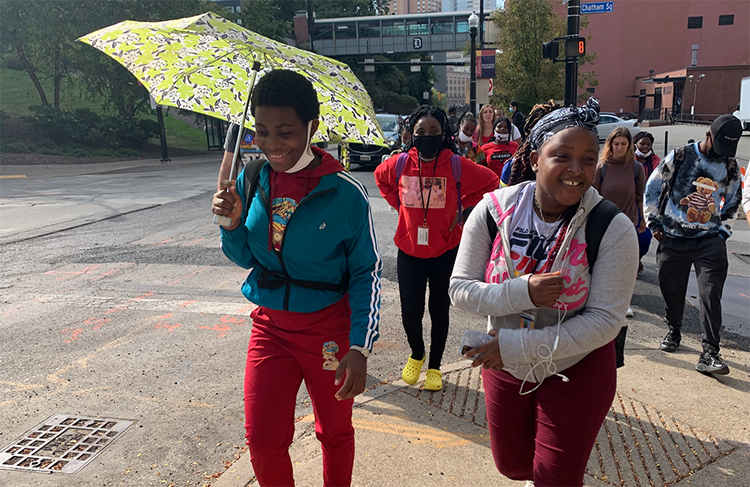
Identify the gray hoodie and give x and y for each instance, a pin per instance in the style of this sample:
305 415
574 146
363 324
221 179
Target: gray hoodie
595 313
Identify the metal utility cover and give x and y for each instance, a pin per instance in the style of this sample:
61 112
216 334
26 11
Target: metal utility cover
62 443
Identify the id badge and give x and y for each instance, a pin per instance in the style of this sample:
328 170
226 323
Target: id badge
423 235
527 319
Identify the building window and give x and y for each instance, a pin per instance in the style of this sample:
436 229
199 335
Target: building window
393 28
591 90
726 19
695 22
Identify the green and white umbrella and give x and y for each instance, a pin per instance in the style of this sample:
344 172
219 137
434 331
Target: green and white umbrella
205 64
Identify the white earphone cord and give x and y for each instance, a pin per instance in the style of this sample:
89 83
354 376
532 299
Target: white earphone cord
546 361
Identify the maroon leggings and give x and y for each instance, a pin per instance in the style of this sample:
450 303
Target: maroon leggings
547 435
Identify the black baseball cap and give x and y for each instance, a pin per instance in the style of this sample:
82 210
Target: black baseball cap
727 131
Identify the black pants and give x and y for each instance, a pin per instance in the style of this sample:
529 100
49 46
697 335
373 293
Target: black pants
675 257
413 275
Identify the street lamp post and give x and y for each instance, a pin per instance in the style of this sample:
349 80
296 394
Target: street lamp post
695 94
473 24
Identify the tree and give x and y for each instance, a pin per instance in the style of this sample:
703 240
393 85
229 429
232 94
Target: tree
327 9
522 74
265 18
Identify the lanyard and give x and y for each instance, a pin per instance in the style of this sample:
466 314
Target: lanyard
429 193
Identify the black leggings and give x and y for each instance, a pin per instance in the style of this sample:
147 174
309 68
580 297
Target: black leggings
413 275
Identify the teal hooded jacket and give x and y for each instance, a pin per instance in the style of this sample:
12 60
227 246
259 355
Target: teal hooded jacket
329 236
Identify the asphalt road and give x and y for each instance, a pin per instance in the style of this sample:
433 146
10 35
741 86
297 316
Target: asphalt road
116 302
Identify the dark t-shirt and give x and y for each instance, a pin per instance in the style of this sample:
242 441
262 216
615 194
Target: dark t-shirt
519 120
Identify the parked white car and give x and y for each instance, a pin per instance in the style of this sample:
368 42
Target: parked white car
607 123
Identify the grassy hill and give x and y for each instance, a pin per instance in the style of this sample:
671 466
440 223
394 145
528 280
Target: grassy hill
17 94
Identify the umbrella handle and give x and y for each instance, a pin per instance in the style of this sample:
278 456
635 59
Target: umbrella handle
225 221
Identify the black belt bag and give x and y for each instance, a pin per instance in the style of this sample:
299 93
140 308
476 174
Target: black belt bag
269 279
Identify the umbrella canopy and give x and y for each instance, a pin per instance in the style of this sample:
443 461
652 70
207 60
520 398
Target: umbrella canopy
204 64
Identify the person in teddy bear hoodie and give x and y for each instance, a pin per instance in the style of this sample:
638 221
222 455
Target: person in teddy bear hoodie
701 204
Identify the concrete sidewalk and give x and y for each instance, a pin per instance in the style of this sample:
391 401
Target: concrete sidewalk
8 171
669 425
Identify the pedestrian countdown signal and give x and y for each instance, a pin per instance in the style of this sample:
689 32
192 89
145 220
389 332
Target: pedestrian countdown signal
575 46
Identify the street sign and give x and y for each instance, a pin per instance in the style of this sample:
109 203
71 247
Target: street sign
597 8
417 43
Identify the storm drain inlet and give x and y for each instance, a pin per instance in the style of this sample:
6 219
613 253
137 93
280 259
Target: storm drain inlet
62 443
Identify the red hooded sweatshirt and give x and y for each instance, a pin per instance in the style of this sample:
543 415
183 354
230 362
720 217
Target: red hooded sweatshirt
288 189
436 200
498 154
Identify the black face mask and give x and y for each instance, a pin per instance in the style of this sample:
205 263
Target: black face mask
428 145
712 154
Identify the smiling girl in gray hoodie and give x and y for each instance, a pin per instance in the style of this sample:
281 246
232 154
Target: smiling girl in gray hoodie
550 373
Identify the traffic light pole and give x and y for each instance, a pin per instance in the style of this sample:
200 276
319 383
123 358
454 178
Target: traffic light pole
571 65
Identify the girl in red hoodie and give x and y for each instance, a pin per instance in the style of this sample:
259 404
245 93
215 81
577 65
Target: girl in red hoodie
501 149
426 193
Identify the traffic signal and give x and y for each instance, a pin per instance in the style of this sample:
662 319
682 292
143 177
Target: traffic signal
575 46
550 50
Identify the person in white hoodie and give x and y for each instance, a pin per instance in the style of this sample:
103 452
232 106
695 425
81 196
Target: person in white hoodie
549 369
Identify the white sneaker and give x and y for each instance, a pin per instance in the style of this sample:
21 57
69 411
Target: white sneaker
529 483
629 312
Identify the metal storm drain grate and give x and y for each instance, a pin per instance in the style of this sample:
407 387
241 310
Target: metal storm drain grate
638 445
62 443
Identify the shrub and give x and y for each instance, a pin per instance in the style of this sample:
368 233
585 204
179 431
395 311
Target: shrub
62 127
127 132
15 64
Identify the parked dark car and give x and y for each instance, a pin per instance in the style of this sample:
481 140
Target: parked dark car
365 154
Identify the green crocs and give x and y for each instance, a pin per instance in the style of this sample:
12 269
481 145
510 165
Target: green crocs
412 370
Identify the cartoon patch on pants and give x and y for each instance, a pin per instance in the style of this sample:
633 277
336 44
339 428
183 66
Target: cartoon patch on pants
330 362
701 204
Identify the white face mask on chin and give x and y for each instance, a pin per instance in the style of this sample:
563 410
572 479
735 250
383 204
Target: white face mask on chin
463 137
501 137
307 157
641 154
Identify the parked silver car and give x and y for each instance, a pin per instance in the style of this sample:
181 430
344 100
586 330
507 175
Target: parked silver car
608 122
372 154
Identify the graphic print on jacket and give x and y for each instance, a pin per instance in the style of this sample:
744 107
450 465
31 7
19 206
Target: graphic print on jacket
694 207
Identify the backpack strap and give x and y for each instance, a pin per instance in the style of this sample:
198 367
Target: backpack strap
602 172
596 226
251 178
400 163
678 159
456 168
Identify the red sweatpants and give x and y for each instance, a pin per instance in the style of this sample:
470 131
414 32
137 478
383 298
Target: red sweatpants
285 348
547 435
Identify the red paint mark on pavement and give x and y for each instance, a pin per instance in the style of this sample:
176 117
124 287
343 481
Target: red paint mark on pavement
67 274
222 329
162 242
234 321
164 324
189 275
74 332
97 322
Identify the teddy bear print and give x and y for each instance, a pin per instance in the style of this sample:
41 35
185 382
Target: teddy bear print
701 204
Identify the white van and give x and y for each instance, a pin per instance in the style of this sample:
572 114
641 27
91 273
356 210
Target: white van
743 109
